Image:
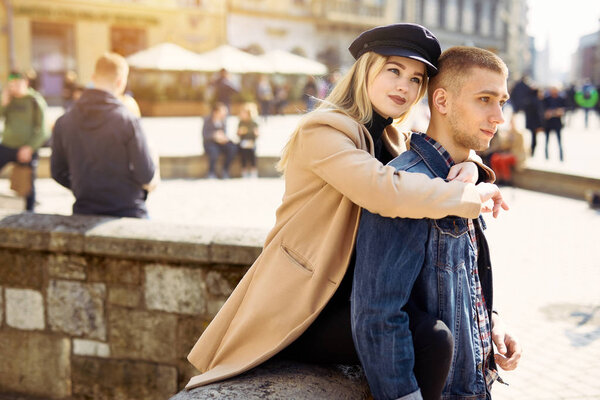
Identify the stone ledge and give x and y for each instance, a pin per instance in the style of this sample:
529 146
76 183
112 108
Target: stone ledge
278 379
557 183
131 238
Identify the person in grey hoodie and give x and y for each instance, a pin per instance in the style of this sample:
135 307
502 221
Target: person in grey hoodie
99 150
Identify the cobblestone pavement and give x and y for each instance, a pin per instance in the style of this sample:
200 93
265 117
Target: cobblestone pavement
547 275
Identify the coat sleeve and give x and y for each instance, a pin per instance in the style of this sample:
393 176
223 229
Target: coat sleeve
138 153
59 166
40 133
335 157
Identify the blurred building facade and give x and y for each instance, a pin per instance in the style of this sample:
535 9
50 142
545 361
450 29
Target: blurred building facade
53 37
57 36
586 61
323 29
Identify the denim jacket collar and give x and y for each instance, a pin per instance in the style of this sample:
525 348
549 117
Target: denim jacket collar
430 155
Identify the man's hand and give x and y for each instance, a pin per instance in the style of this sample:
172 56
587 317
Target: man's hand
509 349
24 154
464 172
220 137
489 191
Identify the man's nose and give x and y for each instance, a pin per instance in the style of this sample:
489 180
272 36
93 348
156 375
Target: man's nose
498 116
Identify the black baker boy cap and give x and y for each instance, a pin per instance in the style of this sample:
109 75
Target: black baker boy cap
404 40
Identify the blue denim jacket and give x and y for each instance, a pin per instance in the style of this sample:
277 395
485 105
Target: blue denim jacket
437 258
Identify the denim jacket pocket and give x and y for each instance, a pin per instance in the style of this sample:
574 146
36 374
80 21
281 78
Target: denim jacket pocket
453 226
298 260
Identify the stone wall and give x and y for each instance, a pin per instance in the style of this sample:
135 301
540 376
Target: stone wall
171 167
103 308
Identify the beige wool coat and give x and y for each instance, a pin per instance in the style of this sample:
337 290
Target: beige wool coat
331 175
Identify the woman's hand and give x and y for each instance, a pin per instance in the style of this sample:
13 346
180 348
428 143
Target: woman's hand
489 191
464 172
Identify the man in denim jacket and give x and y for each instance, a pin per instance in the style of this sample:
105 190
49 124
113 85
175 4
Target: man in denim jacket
441 267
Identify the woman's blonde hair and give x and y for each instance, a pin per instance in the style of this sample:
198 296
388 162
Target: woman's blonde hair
350 96
251 109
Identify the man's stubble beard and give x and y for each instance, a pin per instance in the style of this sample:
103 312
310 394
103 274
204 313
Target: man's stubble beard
464 139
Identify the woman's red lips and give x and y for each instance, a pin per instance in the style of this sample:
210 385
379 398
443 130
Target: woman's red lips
398 100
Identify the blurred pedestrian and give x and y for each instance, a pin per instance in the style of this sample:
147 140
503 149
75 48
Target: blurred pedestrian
570 104
69 88
224 89
309 93
534 114
130 103
587 98
216 142
24 112
329 83
264 95
519 95
282 93
99 149
33 78
507 152
554 109
247 133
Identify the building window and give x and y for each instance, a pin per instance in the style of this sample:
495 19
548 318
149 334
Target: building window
460 5
493 17
478 14
422 4
442 13
401 10
126 41
53 54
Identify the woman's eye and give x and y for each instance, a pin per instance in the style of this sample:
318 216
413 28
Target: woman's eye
394 71
484 99
416 80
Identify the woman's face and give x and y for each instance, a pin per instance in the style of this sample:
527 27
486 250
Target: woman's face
395 88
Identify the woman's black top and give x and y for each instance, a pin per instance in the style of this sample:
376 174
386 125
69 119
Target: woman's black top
329 338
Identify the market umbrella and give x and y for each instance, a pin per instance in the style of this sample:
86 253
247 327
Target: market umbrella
165 57
233 60
284 62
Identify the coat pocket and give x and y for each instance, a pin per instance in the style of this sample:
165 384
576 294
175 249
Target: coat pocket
297 259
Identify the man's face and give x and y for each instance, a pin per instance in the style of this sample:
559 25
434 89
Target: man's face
476 109
17 87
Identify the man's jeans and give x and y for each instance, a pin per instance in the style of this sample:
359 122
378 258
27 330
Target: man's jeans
7 155
214 150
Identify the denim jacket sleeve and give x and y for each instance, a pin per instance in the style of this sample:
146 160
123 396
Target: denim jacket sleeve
383 279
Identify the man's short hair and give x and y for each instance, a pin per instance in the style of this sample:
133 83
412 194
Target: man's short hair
16 74
218 105
111 66
455 66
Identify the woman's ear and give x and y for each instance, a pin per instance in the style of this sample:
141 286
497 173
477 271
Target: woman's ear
440 100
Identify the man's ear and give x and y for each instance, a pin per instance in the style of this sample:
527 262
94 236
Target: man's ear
440 100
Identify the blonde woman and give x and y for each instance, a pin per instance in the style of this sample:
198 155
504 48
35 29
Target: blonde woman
247 133
334 165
